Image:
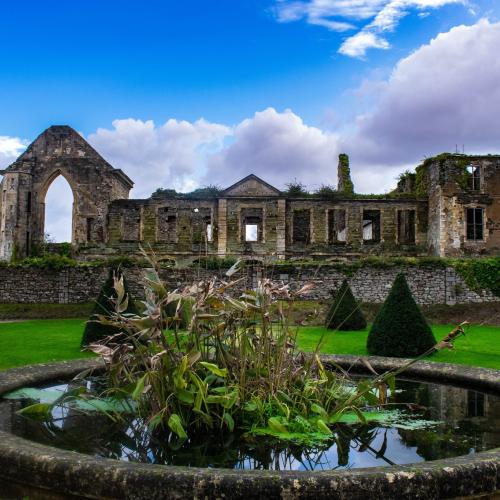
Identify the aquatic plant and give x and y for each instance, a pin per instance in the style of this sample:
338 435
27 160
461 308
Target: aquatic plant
234 368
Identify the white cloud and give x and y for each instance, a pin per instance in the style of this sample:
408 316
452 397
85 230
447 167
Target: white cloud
344 15
444 94
10 149
386 20
278 147
169 155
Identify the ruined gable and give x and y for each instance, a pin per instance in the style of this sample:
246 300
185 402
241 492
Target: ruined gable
251 186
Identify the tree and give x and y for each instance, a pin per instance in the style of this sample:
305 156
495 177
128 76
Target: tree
400 329
96 331
344 313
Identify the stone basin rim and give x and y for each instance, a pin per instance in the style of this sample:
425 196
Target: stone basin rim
72 473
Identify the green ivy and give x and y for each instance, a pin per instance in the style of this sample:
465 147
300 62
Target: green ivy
480 274
345 173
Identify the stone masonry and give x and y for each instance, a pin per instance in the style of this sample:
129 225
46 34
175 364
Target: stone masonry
430 285
450 207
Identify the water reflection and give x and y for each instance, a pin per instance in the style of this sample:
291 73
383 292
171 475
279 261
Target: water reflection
470 423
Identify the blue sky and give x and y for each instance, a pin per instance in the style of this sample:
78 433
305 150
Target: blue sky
208 91
88 63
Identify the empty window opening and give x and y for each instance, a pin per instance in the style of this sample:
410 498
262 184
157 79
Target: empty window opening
131 224
251 232
406 227
337 230
474 177
371 226
28 203
475 217
201 225
252 224
167 225
59 211
301 226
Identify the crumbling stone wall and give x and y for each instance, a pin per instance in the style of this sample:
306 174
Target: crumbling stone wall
94 182
430 285
451 194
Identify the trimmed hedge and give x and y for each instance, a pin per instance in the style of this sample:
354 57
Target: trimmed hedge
95 331
400 329
345 313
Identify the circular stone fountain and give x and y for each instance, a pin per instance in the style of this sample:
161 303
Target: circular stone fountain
67 473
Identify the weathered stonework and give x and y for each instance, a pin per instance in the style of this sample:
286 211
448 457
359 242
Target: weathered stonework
94 182
429 285
428 215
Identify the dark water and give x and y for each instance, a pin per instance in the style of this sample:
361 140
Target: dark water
469 423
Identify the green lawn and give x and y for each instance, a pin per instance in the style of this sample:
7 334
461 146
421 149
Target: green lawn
42 341
480 346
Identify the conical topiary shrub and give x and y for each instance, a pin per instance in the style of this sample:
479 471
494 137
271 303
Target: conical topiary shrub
344 313
95 331
400 329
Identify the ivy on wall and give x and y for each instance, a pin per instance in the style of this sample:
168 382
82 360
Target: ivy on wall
480 274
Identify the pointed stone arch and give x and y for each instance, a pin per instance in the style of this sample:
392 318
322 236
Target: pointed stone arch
59 150
42 196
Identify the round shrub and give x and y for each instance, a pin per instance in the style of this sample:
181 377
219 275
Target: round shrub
96 331
400 329
344 313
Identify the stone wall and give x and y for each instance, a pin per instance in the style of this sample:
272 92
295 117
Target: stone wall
430 285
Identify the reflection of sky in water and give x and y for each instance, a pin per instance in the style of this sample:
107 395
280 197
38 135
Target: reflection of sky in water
470 421
397 452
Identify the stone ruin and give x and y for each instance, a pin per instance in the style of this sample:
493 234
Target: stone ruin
449 207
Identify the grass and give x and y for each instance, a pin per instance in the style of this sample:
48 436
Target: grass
480 346
40 341
45 341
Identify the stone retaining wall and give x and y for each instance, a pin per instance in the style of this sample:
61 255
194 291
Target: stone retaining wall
430 285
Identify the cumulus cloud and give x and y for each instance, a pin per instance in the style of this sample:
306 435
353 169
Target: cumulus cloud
278 147
444 94
10 149
169 155
345 15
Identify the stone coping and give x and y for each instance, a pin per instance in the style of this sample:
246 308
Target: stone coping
70 473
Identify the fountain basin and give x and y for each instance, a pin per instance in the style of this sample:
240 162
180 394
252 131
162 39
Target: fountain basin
70 473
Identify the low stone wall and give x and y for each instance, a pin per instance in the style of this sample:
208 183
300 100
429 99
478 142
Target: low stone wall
430 285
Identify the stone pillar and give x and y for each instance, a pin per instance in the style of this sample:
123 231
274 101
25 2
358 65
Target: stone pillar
222 228
280 230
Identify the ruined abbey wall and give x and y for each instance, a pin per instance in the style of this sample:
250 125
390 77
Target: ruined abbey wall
450 207
430 285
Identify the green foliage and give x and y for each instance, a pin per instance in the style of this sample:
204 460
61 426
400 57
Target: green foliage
210 191
345 173
214 262
480 274
45 311
400 329
234 368
205 192
96 330
344 313
327 192
55 262
296 189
